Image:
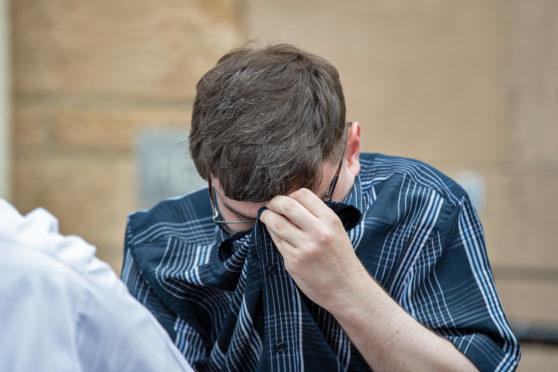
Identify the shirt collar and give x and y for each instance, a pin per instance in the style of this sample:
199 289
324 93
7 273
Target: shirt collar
354 197
350 212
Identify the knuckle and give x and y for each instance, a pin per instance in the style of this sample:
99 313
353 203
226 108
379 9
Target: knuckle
272 204
312 251
301 193
278 225
304 192
289 205
324 235
333 219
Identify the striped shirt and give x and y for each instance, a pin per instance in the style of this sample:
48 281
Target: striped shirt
229 304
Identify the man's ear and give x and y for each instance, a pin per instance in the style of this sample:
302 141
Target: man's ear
352 151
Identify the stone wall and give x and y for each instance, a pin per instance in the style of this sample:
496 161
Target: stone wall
468 86
87 76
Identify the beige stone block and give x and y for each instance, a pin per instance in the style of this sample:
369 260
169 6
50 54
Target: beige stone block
535 82
497 213
142 48
518 215
425 79
29 126
534 216
499 218
91 196
113 128
529 301
538 358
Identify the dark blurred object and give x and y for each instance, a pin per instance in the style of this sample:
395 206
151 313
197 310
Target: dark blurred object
165 168
528 333
536 334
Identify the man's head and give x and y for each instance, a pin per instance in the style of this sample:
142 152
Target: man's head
266 120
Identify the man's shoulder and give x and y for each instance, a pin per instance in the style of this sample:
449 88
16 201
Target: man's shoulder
379 169
35 266
172 216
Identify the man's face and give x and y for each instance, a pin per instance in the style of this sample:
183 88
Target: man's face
232 210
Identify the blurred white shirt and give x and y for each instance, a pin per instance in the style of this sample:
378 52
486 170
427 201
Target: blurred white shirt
62 309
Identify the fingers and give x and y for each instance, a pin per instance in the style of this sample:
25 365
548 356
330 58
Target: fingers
311 202
280 228
298 219
284 247
293 210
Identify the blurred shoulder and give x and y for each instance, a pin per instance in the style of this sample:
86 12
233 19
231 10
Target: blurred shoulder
173 216
379 170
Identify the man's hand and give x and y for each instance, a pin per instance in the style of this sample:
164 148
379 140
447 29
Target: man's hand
320 258
315 247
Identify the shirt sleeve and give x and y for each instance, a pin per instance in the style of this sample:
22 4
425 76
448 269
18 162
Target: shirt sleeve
452 292
37 311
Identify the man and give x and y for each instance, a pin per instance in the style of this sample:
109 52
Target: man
62 309
323 258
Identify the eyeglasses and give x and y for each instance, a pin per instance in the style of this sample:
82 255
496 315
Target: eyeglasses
331 188
217 217
219 221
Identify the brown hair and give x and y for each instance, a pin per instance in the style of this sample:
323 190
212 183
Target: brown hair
265 119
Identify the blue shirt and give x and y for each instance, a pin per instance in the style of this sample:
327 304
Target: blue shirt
229 304
62 309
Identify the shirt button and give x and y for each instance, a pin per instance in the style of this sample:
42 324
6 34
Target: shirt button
280 347
272 269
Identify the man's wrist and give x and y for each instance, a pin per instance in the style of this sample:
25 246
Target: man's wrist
351 302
